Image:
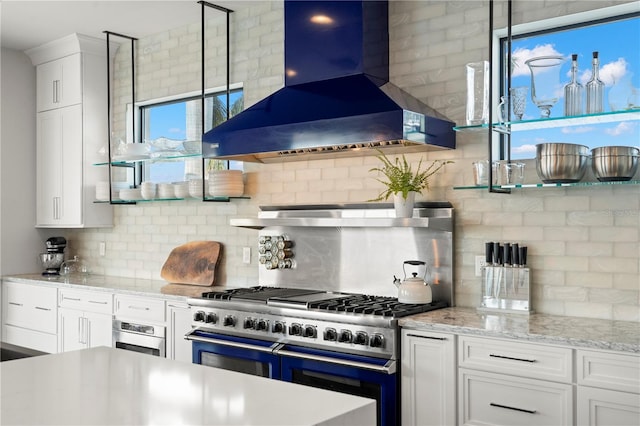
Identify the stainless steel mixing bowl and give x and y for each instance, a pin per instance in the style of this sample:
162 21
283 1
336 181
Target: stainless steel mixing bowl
614 163
561 162
51 260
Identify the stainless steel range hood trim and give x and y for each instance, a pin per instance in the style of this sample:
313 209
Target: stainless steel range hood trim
434 215
440 224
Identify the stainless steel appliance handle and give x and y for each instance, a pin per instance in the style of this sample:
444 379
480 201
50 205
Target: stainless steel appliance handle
190 336
389 367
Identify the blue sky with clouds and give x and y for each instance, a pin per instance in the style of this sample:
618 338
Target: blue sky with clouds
618 44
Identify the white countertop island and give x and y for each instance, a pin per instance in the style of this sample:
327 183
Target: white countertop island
117 387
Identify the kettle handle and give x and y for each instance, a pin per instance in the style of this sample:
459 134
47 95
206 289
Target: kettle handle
415 263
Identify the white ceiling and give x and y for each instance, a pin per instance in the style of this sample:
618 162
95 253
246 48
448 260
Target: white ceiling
25 24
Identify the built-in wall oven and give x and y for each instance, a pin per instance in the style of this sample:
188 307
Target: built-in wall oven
143 338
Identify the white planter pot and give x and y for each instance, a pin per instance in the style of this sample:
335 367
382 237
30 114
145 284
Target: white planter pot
404 206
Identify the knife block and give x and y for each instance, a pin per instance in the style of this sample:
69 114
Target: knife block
506 289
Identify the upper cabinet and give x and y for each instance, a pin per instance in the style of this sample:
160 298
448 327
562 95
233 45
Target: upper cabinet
71 130
59 83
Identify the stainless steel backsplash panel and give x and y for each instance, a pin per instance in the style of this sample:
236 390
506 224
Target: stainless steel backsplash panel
361 249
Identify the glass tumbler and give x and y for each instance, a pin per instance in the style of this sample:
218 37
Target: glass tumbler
511 173
477 93
518 101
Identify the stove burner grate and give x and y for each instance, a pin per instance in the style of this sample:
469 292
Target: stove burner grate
374 305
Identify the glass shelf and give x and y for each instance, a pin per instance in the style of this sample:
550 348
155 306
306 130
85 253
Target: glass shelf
553 122
207 199
177 157
551 185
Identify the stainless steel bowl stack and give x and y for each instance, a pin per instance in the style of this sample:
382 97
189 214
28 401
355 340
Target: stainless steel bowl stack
561 162
614 163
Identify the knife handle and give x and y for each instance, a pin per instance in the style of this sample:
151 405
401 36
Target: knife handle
488 253
507 254
515 259
523 255
496 253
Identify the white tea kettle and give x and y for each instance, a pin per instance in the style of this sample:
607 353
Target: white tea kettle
413 289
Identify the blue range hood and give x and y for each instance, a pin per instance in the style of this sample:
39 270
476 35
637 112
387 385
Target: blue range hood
337 99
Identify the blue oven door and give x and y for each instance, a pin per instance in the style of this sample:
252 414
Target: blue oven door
356 375
239 354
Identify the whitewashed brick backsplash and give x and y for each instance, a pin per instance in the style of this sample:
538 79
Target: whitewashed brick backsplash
584 244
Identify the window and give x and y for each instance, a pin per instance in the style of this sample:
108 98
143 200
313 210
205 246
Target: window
615 34
173 128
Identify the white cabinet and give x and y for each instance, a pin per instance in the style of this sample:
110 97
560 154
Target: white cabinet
71 130
59 163
59 83
85 319
504 382
608 391
428 378
29 316
178 324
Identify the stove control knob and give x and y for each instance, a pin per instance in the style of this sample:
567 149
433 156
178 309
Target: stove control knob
377 341
330 334
262 325
198 316
249 323
345 336
310 331
278 327
229 321
211 318
361 338
295 329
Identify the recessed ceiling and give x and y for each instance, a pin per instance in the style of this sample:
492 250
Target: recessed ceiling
26 24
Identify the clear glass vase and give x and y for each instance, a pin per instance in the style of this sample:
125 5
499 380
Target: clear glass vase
545 82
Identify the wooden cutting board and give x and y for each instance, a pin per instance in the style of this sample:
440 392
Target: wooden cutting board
193 263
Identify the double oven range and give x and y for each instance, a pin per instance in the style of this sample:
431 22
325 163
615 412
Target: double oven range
337 341
305 324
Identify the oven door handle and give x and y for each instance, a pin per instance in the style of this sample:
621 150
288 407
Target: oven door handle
190 336
388 368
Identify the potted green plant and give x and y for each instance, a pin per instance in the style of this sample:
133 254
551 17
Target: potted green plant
403 183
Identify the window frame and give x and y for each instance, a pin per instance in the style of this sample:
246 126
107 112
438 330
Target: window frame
544 26
141 170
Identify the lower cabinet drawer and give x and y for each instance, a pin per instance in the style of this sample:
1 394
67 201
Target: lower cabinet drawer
139 308
496 399
44 342
609 370
516 358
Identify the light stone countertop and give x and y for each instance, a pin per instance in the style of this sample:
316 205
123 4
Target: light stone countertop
106 386
135 286
586 333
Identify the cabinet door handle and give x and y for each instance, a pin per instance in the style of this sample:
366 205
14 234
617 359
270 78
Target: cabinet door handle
16 304
87 330
43 309
511 358
71 298
98 302
80 330
506 407
427 337
56 91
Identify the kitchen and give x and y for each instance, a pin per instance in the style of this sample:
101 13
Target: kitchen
583 241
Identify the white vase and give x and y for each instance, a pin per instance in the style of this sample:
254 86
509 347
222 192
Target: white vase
404 206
